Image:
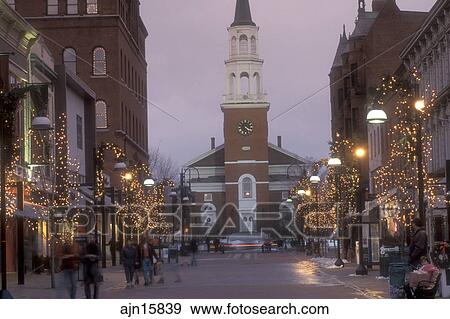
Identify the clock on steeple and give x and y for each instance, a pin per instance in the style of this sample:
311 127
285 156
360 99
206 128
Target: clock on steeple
245 110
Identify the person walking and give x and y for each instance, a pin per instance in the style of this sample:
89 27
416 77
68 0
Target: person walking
137 264
129 255
147 254
91 272
419 243
69 265
194 249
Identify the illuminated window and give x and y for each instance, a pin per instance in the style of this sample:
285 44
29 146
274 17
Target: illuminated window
70 59
72 6
91 7
247 188
99 61
52 7
101 113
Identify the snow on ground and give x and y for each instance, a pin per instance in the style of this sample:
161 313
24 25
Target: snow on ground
326 262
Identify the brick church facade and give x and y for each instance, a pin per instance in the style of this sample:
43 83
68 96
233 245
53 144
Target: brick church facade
242 185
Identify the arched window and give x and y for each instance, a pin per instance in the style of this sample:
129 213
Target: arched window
101 114
232 84
243 44
99 61
247 188
245 84
233 46
91 7
70 59
257 83
253 45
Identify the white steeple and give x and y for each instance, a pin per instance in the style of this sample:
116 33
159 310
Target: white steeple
244 65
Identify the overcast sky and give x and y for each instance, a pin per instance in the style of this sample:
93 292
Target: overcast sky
186 50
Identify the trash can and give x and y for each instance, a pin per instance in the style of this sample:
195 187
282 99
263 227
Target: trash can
397 274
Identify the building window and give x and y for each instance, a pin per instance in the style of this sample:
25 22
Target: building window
72 6
70 59
91 7
207 197
284 195
79 132
11 3
99 61
52 7
101 113
247 188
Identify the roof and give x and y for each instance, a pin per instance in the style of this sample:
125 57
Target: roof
216 157
243 15
438 7
364 23
340 50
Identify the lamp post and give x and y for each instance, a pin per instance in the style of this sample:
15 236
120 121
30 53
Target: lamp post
336 163
419 105
360 154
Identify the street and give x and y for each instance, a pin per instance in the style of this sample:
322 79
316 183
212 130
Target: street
233 275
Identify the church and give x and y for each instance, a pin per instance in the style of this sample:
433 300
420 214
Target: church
241 187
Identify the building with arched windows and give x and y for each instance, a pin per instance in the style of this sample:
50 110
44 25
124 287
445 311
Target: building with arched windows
239 187
103 43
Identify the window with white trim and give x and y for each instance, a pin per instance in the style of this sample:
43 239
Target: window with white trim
72 6
101 112
284 195
52 7
247 188
92 7
70 59
207 197
99 61
11 3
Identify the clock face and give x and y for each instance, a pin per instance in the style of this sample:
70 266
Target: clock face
245 127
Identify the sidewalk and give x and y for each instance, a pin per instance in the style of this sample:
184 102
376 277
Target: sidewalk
372 285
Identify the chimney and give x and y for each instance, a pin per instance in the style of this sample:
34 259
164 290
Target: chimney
213 143
279 141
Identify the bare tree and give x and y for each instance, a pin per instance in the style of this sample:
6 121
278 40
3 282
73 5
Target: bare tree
162 166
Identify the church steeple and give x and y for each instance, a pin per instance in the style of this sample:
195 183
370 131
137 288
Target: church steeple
243 15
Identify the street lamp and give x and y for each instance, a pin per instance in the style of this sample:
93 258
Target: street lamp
360 154
336 163
301 192
377 116
314 180
128 176
420 106
149 182
41 123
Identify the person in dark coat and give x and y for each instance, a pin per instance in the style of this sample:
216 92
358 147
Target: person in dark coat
91 272
419 243
69 264
194 250
129 256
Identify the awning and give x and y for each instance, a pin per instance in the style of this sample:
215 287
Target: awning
31 212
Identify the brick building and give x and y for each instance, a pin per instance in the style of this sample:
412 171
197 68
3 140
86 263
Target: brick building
237 184
362 58
102 42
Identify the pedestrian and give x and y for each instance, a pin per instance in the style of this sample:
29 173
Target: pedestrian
129 256
137 264
208 242
91 272
194 249
419 243
350 253
216 245
69 265
147 253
